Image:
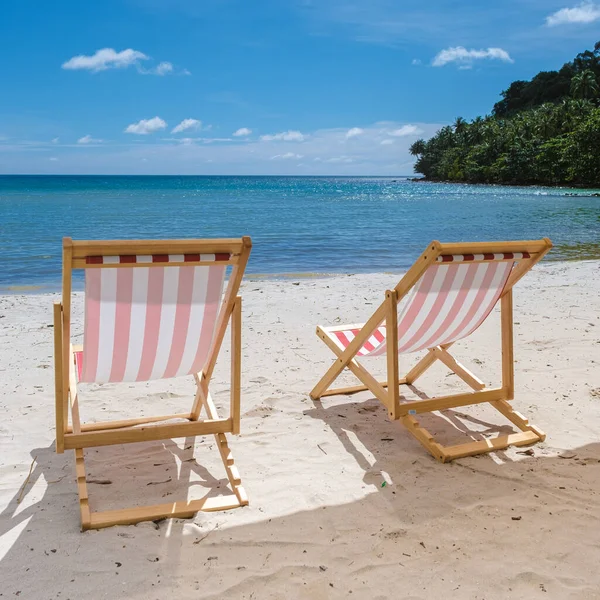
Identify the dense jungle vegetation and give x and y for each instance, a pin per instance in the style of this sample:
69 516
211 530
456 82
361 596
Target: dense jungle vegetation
545 131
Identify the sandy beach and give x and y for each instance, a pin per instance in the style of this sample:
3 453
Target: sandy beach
321 525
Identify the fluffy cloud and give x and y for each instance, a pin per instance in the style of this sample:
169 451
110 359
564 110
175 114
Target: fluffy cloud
88 139
242 131
339 159
163 68
107 58
464 57
186 125
405 130
322 152
586 12
286 136
287 156
355 131
146 126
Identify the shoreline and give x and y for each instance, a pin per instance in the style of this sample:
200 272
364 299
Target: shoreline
553 186
40 290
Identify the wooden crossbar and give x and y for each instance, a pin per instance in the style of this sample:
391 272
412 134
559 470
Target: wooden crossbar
180 510
129 435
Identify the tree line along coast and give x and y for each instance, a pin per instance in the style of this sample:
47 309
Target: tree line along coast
545 131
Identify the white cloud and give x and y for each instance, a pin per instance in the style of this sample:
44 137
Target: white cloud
146 126
53 158
462 56
107 58
321 151
287 156
386 142
164 68
286 136
242 131
55 140
405 130
88 139
186 125
586 12
355 131
416 61
340 159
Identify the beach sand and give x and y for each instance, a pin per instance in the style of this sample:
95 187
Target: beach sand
515 524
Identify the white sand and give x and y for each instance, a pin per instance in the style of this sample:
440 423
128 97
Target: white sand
319 525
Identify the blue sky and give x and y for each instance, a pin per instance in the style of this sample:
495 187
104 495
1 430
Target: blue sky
308 86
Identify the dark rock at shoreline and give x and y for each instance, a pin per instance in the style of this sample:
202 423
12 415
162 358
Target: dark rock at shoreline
592 195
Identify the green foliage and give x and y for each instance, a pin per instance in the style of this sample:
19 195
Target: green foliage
543 131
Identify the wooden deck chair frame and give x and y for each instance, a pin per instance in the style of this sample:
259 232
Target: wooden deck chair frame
388 391
77 436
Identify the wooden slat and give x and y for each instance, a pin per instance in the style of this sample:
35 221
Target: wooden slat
391 327
231 293
84 505
344 357
181 510
524 266
501 442
423 365
232 472
517 418
104 425
146 434
530 246
506 323
423 436
445 402
58 379
353 389
413 275
363 375
236 364
66 326
460 370
83 248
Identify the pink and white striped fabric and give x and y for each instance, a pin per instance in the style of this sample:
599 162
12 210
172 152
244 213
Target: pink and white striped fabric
449 302
148 323
155 258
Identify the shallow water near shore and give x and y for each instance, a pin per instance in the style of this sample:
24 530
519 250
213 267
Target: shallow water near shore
311 225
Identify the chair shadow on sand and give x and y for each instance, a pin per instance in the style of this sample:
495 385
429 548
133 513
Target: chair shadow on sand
353 414
171 471
432 519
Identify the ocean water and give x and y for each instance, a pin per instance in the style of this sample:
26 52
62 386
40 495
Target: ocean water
297 224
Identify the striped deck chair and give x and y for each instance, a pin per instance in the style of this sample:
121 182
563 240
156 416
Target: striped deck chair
153 310
447 293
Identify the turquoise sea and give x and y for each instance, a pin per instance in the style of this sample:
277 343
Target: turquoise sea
297 224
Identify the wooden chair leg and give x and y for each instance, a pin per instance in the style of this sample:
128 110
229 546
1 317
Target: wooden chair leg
180 509
529 435
232 471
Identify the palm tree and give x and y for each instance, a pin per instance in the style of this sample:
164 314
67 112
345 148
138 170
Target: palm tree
584 85
417 148
460 125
